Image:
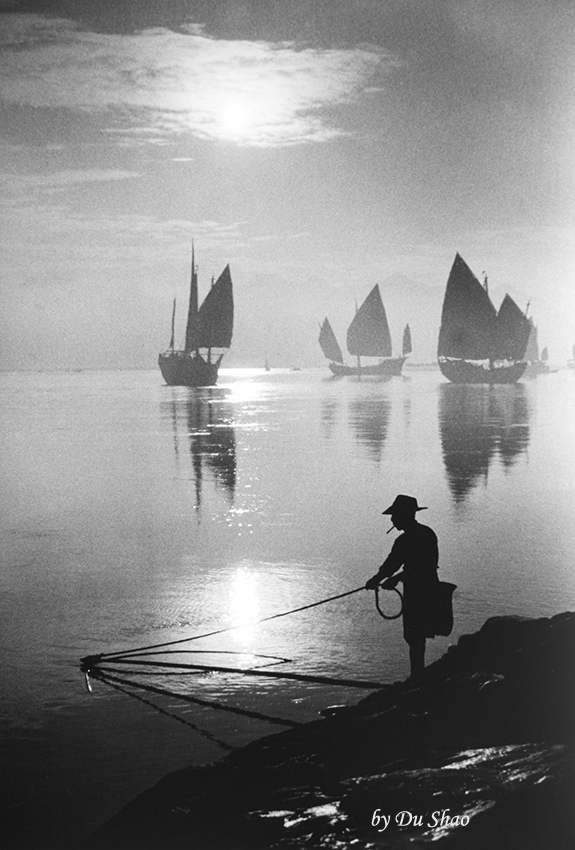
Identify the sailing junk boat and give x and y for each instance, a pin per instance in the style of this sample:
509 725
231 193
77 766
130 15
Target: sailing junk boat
406 344
536 363
477 344
532 350
367 336
209 327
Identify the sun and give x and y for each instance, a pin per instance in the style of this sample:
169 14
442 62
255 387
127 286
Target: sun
236 119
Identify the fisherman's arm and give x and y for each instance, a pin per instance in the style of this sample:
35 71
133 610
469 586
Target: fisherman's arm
391 565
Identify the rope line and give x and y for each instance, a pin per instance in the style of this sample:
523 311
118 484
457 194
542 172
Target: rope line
273 660
94 659
389 616
250 671
197 701
110 681
134 658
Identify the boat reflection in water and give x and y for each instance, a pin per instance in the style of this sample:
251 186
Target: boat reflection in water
479 423
369 419
329 413
201 417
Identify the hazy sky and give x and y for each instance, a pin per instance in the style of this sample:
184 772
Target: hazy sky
318 147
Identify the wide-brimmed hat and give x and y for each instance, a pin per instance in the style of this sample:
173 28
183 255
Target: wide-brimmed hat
404 504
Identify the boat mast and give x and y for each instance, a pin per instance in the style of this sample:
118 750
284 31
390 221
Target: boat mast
486 288
192 326
173 326
210 348
358 356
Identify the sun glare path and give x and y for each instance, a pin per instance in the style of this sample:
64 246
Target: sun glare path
244 605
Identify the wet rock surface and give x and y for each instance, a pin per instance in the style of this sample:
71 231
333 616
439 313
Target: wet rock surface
481 754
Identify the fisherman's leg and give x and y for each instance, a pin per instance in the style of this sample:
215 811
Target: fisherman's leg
417 657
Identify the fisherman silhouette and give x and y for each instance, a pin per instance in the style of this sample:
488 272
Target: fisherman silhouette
416 551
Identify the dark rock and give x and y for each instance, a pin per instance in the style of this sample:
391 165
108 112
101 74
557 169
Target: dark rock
488 737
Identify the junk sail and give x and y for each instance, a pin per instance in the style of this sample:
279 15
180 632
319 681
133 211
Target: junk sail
511 332
468 317
216 315
476 343
532 350
406 347
536 363
328 342
367 336
209 327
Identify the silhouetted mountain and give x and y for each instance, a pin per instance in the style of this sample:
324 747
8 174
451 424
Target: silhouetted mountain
280 319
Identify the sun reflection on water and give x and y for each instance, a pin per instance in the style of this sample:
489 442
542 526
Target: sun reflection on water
245 390
244 605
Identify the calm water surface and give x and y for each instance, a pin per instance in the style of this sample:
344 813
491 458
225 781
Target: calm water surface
136 514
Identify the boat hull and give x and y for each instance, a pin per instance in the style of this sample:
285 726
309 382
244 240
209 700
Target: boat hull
393 366
465 372
180 369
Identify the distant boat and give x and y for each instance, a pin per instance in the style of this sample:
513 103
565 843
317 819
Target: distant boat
536 362
367 336
406 346
208 327
477 344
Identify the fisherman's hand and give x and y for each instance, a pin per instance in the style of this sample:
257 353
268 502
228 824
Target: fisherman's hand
372 583
390 583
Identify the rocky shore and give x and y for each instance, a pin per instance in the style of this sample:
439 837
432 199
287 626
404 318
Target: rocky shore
481 755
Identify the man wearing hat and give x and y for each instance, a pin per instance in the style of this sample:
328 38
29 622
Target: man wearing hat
416 551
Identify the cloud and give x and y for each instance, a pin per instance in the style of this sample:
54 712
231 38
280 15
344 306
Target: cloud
248 92
56 238
51 219
60 180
